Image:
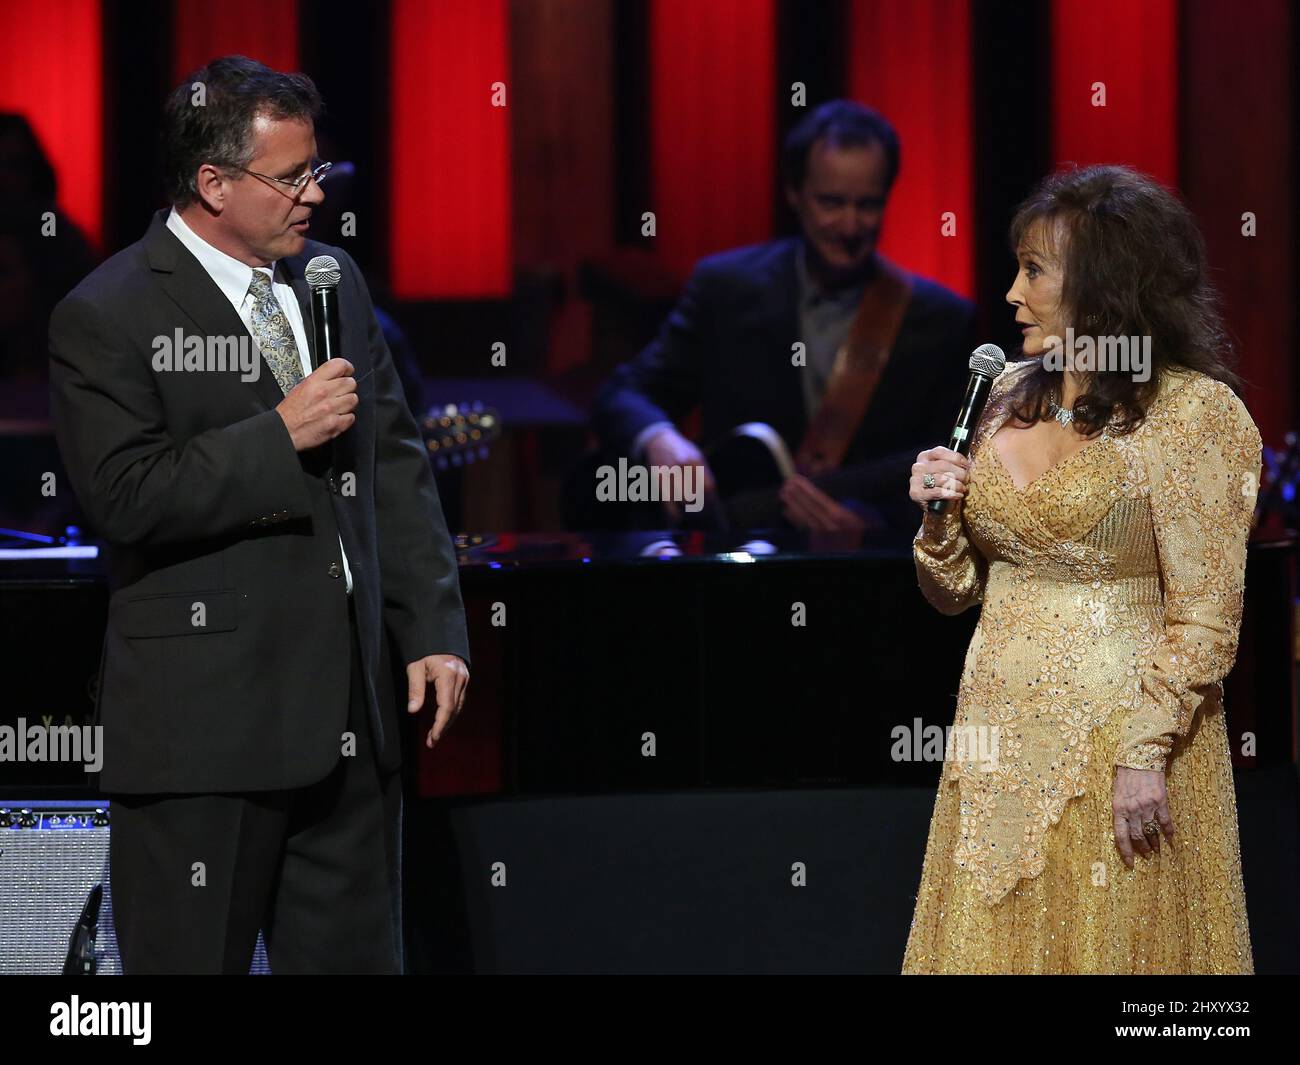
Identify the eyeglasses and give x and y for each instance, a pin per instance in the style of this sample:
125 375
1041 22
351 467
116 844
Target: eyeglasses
317 173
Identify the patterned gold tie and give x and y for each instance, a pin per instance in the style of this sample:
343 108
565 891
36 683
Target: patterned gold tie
273 333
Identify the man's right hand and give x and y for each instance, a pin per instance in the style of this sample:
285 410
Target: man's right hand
319 407
669 448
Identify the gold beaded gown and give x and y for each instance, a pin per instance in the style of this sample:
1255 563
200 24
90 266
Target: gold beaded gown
1110 591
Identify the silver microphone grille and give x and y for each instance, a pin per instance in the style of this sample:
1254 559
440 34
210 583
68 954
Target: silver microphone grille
988 359
323 272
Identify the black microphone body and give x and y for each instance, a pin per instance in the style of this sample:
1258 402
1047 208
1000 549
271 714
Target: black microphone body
325 324
972 408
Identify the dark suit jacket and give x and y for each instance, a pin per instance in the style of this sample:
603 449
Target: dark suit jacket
726 347
192 481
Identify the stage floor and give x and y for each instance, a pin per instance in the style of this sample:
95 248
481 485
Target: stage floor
702 881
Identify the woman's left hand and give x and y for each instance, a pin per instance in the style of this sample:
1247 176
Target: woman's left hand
1140 800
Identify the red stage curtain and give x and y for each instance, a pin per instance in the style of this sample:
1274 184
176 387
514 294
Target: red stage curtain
52 74
449 163
265 30
1238 108
912 63
712 116
1131 48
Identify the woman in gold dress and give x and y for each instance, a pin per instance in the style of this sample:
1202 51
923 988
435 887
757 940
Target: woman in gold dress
1101 522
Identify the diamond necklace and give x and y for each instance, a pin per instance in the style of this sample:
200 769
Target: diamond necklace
1065 417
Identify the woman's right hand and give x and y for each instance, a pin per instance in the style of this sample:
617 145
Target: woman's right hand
950 470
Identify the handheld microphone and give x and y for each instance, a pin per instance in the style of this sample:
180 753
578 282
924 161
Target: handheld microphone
323 276
986 363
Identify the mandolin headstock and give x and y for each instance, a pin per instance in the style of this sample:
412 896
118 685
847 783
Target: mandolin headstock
459 433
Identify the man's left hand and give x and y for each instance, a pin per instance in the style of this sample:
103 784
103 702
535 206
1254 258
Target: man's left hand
450 677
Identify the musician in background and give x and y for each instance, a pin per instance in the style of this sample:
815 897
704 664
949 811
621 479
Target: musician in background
884 351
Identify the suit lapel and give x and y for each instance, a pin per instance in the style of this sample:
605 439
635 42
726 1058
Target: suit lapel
188 285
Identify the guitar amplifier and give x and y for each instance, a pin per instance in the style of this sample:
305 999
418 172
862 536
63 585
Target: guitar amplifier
56 902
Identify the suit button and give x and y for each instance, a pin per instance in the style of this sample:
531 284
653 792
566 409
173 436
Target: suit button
335 570
334 486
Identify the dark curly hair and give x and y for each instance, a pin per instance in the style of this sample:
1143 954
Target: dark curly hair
236 90
1133 264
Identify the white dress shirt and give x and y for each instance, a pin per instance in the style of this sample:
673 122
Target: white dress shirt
235 279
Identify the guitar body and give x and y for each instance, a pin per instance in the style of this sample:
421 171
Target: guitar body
581 511
752 463
749 466
752 458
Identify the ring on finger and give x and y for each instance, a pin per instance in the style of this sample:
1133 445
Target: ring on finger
928 480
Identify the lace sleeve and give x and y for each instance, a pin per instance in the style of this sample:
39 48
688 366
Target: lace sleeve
1204 470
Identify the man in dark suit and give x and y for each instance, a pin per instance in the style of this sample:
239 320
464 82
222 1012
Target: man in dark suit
727 346
267 525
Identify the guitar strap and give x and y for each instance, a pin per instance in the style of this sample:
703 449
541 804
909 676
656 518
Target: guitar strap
858 366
